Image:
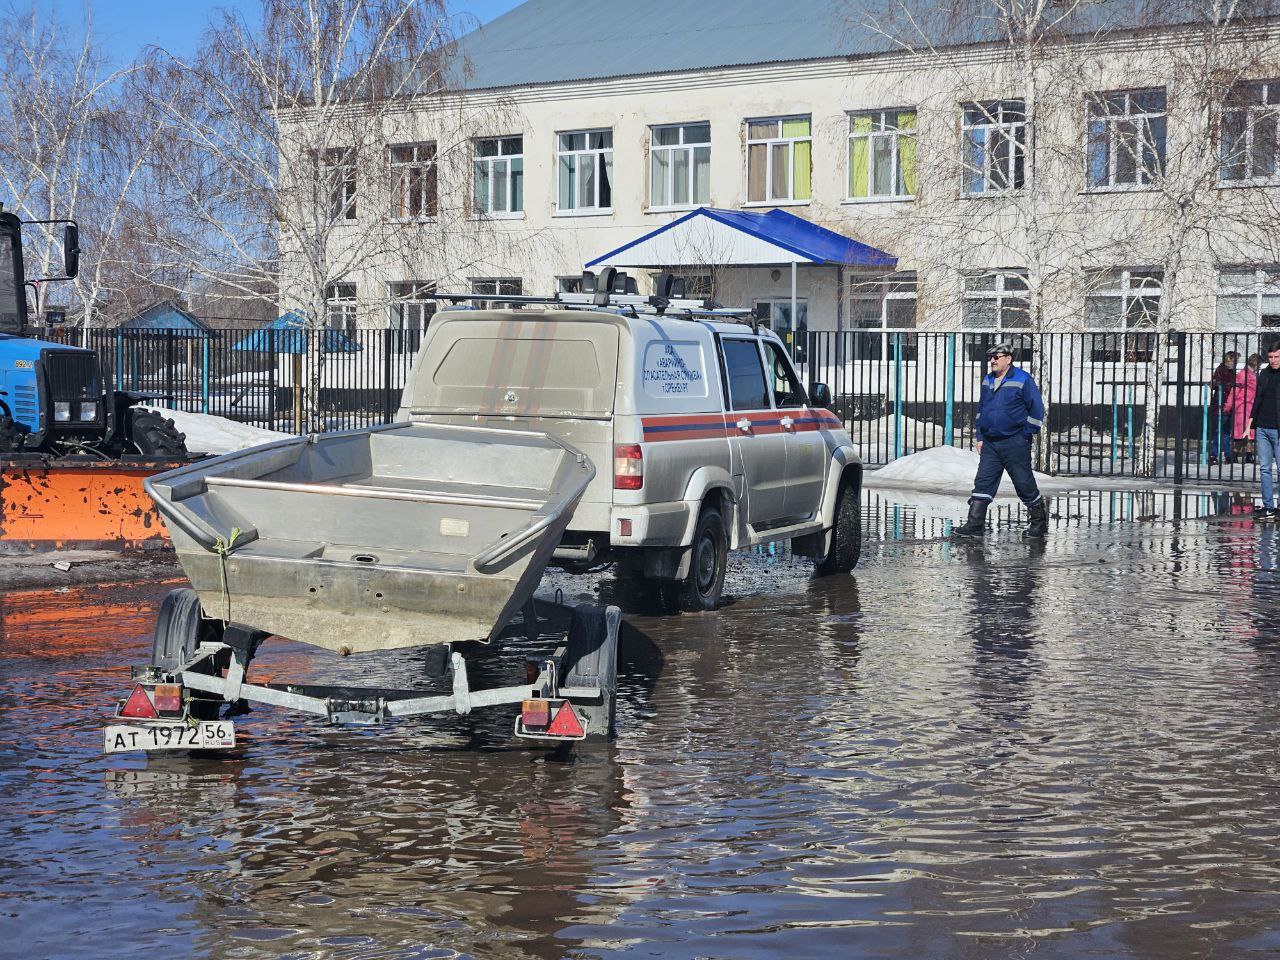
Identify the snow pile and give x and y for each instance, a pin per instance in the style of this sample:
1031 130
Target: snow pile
206 434
949 468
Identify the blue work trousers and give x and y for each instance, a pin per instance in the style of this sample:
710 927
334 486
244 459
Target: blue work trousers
1011 455
1268 448
1220 436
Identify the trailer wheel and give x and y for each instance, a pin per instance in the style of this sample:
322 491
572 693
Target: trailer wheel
591 660
156 436
846 533
180 628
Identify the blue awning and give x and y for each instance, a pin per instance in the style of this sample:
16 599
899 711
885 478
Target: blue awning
712 237
291 331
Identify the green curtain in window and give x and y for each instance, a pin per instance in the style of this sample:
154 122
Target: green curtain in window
907 151
796 128
801 170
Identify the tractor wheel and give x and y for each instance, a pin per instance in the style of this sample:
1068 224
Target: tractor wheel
156 436
10 435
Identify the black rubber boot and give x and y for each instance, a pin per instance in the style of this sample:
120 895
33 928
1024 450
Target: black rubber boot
976 525
1039 525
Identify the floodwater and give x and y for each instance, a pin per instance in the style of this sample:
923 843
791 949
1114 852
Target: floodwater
964 750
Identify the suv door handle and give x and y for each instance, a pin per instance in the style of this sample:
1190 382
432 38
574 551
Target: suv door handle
744 425
788 423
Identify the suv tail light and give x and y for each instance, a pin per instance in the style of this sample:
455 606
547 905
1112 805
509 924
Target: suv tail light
628 466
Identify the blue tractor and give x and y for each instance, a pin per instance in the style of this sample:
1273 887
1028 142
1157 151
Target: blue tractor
52 397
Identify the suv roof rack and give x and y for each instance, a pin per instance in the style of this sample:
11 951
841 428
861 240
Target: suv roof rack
616 292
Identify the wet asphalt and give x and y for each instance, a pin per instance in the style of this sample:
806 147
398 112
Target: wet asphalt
966 749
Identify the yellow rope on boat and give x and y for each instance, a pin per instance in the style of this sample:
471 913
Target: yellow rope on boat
223 547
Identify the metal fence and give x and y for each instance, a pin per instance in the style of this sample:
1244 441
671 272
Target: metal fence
898 392
262 376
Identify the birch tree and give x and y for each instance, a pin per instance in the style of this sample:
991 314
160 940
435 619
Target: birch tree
313 146
72 146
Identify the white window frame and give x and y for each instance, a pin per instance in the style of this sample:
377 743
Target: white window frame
881 289
1263 282
502 286
341 307
1267 104
977 339
512 212
797 347
769 143
690 148
994 120
409 312
1130 285
338 169
1145 178
403 181
887 129
601 159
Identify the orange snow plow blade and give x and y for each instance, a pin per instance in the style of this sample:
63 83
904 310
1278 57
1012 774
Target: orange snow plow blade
49 504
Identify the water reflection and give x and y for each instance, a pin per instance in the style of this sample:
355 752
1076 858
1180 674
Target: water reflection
962 750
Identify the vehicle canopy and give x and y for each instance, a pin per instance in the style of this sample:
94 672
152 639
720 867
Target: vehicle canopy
564 364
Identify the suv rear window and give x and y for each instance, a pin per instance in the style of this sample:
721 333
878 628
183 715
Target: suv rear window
534 367
747 388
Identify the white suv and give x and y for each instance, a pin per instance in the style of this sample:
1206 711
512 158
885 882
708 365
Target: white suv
713 441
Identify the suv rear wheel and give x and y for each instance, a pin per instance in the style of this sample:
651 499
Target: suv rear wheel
846 533
702 588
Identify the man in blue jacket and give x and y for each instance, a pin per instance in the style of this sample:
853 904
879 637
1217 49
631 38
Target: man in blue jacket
1010 414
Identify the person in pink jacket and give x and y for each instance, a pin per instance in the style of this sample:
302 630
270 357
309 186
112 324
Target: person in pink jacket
1238 404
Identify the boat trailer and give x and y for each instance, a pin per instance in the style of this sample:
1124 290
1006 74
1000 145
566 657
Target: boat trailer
200 665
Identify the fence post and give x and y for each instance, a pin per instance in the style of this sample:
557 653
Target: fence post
387 412
897 395
949 420
271 379
1179 404
204 375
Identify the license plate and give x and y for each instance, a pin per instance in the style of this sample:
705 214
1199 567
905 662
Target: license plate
205 735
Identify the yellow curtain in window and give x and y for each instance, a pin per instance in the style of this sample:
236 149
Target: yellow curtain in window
796 128
907 150
801 170
858 168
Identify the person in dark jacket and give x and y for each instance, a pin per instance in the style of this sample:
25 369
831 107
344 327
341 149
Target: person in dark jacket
1010 414
1264 418
1221 386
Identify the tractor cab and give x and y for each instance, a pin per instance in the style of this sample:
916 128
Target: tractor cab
52 396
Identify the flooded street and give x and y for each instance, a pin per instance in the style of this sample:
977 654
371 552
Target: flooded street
977 750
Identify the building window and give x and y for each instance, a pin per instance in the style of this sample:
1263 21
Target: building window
1248 298
881 304
882 154
338 179
679 165
569 284
412 307
1250 119
340 300
697 286
1126 138
996 301
995 146
1124 302
779 159
585 165
776 315
498 177
413 181
496 287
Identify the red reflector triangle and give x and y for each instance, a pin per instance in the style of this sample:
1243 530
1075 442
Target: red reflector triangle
139 704
566 723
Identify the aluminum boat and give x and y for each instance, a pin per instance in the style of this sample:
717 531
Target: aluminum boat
398 536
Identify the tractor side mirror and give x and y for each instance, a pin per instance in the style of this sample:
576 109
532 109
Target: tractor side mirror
820 395
71 250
